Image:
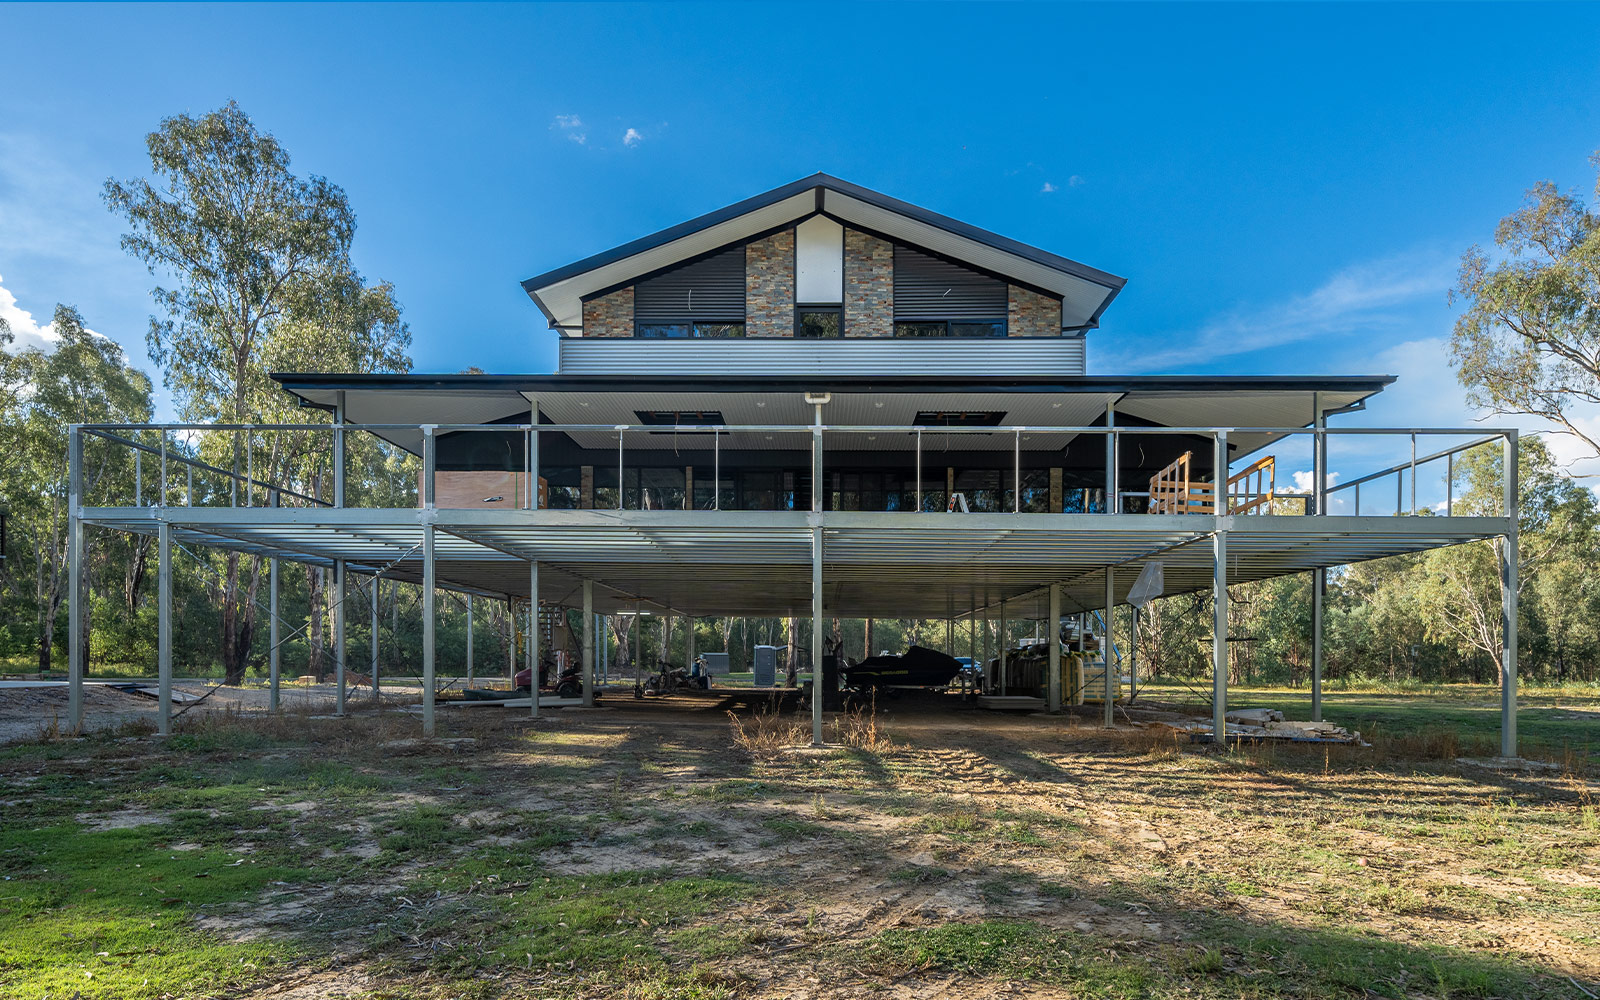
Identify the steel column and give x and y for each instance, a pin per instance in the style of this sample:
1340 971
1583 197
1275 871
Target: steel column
1053 682
816 631
1133 653
535 652
339 586
1219 636
428 583
1106 650
1509 555
274 659
338 452
469 638
75 578
377 696
688 643
1005 663
164 627
1219 592
1319 585
1111 505
588 644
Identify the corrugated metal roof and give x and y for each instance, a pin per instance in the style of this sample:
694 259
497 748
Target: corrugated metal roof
759 563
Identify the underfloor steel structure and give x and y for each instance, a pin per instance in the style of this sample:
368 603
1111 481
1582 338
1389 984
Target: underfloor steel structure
806 553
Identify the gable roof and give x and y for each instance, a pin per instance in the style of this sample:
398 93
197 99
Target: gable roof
1084 291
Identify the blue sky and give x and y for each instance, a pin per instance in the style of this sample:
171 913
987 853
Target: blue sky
1287 188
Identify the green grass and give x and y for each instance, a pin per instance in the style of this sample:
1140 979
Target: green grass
586 858
1465 716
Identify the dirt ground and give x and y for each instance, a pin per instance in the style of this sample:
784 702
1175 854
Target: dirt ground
28 712
666 849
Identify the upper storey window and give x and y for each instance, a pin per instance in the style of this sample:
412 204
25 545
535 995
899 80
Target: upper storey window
935 298
704 298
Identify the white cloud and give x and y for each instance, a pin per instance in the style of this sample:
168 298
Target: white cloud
632 137
571 126
1376 300
1076 181
26 329
1048 188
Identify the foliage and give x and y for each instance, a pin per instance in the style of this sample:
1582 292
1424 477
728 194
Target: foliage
1529 340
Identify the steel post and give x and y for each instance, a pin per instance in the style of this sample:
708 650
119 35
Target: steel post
164 627
428 651
338 469
377 699
1133 653
1106 650
340 577
1005 663
1053 682
274 655
1111 505
1509 555
75 578
535 652
588 644
1319 586
816 631
1219 635
469 639
1219 593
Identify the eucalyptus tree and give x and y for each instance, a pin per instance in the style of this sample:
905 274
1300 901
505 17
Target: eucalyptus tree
1529 340
83 379
260 275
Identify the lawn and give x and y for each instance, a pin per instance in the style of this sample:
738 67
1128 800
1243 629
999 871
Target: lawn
655 850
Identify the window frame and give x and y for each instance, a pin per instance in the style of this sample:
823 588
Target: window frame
804 308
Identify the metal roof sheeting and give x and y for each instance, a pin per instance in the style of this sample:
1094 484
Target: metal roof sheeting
759 563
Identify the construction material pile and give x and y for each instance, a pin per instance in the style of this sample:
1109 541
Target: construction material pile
1269 724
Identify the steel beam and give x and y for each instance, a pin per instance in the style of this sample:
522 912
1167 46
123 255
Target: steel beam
164 629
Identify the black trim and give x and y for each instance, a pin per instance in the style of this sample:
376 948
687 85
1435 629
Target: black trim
291 381
822 183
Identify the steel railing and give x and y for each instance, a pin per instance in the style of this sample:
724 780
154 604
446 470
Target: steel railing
175 447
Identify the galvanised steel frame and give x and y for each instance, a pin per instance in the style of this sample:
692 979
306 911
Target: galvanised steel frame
849 564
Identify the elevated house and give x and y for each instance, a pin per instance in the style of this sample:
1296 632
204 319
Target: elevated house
824 402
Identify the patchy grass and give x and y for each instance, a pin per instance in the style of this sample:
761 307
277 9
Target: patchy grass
652 851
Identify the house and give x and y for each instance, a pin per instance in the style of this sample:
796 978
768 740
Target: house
825 402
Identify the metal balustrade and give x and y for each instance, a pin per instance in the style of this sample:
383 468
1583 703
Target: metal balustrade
187 472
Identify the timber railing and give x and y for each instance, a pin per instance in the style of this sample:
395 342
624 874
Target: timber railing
309 465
